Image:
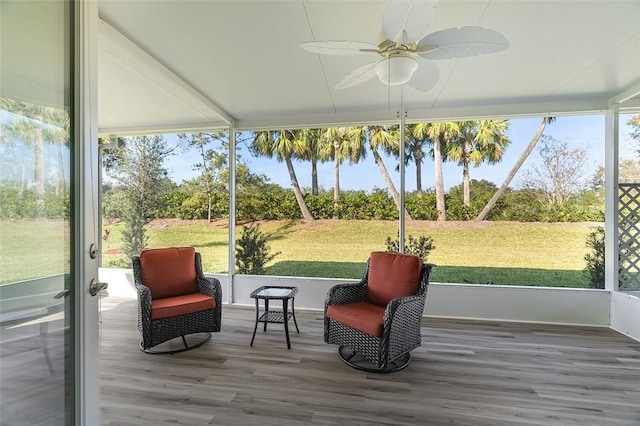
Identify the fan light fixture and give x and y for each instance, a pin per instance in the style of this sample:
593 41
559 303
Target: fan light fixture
396 69
405 50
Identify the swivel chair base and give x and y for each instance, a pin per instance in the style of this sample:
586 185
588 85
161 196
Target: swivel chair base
175 351
357 361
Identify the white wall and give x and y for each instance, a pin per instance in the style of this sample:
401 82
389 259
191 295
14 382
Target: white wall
502 303
121 282
519 303
38 292
625 313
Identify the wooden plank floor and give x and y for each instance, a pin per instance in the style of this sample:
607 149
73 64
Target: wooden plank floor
465 373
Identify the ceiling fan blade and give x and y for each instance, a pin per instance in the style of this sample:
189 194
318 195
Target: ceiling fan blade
461 42
340 48
357 76
425 77
411 16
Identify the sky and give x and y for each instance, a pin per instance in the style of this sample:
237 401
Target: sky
586 131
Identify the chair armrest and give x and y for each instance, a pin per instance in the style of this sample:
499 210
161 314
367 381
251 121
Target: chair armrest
144 294
407 309
144 311
346 293
211 287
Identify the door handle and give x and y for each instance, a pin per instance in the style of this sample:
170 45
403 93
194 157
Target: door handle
96 287
62 294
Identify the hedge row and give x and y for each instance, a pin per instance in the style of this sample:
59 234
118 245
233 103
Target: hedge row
275 203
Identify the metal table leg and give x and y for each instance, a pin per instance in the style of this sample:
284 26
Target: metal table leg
285 305
255 327
293 313
266 310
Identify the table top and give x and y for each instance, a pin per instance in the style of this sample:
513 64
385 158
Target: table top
274 292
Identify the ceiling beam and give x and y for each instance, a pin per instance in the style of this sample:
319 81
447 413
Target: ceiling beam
161 129
506 111
135 51
627 96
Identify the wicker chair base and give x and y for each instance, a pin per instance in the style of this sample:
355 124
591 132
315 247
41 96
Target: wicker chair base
175 351
355 360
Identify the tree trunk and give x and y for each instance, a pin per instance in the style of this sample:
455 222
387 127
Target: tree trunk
465 184
466 192
39 166
437 159
336 179
314 177
492 202
306 214
209 207
23 181
418 175
60 182
389 182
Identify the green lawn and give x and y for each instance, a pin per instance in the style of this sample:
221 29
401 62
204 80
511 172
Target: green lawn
486 252
33 249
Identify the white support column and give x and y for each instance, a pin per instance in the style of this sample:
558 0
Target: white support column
401 208
86 341
232 210
611 242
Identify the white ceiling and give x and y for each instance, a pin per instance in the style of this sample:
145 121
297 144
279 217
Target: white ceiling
178 65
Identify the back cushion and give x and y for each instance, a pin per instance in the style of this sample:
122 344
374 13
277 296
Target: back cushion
392 275
169 272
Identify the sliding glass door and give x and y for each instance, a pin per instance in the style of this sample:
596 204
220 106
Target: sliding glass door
44 301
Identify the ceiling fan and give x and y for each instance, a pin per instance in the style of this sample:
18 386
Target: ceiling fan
406 47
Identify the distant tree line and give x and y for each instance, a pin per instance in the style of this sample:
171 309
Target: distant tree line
554 188
40 189
272 202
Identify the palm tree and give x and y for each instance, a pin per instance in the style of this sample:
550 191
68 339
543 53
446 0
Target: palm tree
311 151
414 151
439 134
284 144
478 142
36 123
389 140
59 134
492 202
342 143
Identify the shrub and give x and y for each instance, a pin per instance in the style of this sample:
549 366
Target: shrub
114 203
420 247
517 206
360 205
595 258
194 207
480 192
134 238
253 251
23 203
173 203
321 205
270 202
422 207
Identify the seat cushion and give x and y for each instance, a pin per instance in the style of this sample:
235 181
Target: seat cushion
169 272
181 305
362 316
392 275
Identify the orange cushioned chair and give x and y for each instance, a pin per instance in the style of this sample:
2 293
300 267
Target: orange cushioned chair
175 299
376 322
